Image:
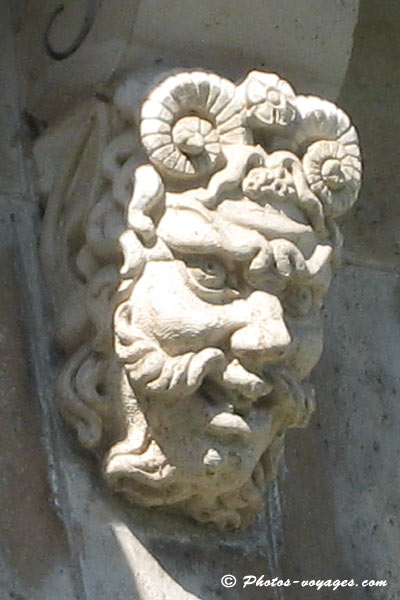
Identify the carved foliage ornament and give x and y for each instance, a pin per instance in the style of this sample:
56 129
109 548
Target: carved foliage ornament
188 288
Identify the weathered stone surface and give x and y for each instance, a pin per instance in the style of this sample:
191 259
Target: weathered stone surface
188 290
144 553
309 40
341 487
35 561
370 93
337 523
11 173
53 45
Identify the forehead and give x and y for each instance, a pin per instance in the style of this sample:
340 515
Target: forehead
237 228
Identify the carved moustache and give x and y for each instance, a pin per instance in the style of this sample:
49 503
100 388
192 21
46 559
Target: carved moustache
220 381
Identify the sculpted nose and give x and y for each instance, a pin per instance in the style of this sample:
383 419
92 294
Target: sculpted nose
265 335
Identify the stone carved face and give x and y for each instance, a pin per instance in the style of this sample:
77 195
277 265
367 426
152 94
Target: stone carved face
223 351
213 311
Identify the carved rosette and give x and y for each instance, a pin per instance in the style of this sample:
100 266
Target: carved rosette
187 289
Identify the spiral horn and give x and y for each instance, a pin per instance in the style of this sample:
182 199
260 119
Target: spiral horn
331 159
186 119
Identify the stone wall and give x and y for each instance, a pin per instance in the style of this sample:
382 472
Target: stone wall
335 511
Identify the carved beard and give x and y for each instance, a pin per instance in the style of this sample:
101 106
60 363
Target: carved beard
190 422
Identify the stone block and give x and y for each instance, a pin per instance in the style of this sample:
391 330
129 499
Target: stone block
340 492
34 557
370 94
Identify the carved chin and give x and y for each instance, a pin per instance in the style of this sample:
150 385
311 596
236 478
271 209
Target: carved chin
205 457
202 466
225 495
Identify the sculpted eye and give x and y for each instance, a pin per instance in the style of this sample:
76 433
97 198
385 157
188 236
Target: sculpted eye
209 273
208 278
298 300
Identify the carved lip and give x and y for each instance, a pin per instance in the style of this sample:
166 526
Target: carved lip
229 423
289 400
233 413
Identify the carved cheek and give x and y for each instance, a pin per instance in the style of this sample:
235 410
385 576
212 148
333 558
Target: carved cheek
167 310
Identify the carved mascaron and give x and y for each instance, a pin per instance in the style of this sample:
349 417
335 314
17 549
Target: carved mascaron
188 288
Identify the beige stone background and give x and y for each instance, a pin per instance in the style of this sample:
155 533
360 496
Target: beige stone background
336 508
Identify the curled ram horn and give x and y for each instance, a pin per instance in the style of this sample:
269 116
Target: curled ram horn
333 172
320 120
187 119
324 135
